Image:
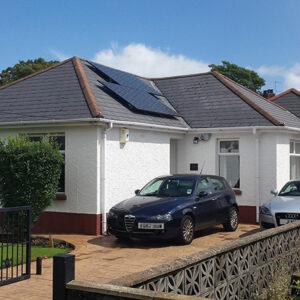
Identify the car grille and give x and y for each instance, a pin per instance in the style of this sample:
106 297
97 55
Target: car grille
293 216
129 222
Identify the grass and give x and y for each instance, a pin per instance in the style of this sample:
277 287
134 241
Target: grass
14 253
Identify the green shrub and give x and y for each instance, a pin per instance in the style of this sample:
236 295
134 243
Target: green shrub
29 173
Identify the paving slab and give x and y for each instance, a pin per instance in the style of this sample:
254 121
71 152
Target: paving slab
104 258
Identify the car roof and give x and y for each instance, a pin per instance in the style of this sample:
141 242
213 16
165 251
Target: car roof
195 176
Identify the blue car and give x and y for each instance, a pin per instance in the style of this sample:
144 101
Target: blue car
174 207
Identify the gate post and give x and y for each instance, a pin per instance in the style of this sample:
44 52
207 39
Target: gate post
63 272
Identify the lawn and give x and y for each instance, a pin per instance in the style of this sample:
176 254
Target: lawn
14 253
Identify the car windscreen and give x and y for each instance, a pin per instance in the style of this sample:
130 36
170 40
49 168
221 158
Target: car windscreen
291 189
169 187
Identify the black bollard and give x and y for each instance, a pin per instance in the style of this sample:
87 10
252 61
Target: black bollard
39 261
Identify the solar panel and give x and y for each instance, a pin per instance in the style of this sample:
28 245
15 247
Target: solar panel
140 100
127 79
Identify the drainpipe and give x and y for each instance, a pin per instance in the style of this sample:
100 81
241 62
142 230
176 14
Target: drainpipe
102 176
257 171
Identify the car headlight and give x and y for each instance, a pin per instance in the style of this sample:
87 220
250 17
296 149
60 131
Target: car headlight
165 217
264 210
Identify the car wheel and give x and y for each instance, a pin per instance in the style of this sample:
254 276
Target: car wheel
186 231
232 220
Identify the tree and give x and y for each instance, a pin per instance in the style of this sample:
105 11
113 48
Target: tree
243 76
24 68
29 173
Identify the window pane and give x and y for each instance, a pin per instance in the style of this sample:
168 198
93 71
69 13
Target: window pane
229 168
60 140
61 182
216 184
229 146
295 167
292 148
203 185
35 138
152 187
297 147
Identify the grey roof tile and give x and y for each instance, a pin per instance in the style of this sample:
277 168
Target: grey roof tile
54 94
205 102
290 101
284 116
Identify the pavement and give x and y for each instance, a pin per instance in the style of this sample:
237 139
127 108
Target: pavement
104 258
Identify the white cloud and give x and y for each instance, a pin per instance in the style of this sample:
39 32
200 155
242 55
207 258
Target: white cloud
59 55
149 62
290 76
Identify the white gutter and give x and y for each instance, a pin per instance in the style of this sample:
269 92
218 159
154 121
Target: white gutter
257 172
103 178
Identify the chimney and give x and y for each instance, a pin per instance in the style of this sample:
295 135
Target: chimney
268 94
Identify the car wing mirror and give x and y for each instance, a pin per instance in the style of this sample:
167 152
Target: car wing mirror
274 192
137 192
202 194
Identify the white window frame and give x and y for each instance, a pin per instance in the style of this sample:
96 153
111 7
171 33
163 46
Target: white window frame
293 154
44 136
219 154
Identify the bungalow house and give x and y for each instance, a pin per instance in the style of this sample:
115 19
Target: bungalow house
118 131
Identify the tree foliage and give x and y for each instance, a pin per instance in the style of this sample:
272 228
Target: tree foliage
29 173
24 68
243 76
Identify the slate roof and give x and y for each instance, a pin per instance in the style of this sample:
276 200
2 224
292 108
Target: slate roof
52 95
211 100
74 89
290 100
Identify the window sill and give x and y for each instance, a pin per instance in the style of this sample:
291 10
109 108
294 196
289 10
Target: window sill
61 197
237 192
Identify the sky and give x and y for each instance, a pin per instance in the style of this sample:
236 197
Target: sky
158 37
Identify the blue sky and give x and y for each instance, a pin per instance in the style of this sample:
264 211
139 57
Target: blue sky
158 37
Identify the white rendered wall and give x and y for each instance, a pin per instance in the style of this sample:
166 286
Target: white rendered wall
205 154
82 163
129 167
275 166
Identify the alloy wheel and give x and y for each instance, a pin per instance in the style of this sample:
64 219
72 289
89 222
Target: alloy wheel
188 229
234 219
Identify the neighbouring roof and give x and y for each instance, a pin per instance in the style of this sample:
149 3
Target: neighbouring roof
76 89
290 100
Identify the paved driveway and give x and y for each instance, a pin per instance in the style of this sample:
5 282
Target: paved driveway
103 259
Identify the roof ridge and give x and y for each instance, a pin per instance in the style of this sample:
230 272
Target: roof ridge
178 76
86 89
223 79
291 90
35 74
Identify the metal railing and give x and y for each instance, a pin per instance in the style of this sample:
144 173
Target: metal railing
15 246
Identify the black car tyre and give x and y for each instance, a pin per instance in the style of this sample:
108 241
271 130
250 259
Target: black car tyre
232 222
186 231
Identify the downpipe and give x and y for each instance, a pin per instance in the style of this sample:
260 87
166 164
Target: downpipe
257 172
103 178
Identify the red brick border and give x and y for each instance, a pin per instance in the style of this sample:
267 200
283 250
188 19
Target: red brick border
62 222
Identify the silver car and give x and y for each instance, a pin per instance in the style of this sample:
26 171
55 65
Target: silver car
283 208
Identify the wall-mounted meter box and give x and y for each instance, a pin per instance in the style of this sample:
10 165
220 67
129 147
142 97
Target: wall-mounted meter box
124 135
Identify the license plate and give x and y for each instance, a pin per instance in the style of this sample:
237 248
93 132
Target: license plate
151 225
286 221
